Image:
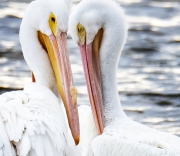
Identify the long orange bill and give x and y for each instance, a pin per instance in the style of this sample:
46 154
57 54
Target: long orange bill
91 66
56 47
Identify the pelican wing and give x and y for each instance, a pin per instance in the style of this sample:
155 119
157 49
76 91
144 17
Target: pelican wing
34 121
6 147
109 145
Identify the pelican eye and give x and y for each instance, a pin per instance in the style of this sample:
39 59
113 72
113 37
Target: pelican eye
53 23
53 19
80 29
81 33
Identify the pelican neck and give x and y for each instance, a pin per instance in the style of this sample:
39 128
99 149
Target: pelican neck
36 57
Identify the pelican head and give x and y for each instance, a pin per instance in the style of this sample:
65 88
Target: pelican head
99 28
43 35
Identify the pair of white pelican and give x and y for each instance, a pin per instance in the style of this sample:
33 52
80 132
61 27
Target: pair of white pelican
34 120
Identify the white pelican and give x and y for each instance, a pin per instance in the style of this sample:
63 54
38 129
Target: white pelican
33 120
100 30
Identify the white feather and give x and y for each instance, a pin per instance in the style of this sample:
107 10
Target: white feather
35 132
6 148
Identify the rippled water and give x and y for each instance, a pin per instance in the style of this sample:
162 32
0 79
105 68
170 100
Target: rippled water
149 67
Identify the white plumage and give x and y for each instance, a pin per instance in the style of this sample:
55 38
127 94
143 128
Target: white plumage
6 147
121 136
87 130
34 120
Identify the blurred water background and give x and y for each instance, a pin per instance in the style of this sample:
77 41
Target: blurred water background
149 67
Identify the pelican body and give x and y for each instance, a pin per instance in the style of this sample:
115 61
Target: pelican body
100 30
34 120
